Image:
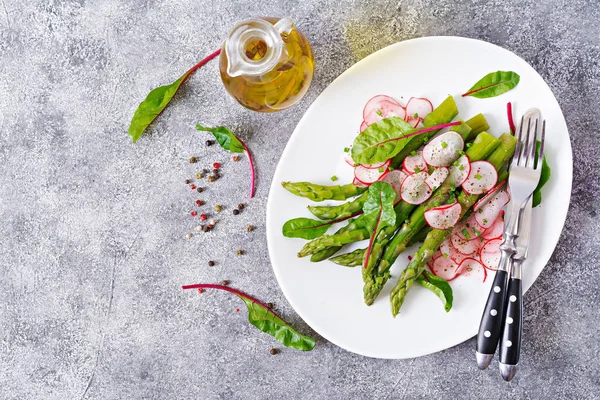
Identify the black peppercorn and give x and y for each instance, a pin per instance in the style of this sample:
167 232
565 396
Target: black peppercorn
210 142
187 181
273 351
236 211
211 263
225 282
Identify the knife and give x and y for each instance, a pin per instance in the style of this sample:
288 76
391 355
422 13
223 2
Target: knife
510 344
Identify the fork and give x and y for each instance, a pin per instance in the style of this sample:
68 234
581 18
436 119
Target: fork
522 181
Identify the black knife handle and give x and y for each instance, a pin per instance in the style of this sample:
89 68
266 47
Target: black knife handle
490 327
510 346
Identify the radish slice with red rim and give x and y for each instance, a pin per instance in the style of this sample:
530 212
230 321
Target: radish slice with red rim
348 158
487 196
363 126
414 163
367 175
466 247
459 170
496 230
384 164
443 217
444 149
394 178
472 267
418 107
414 190
380 107
358 183
437 177
415 122
487 214
468 229
444 267
490 254
446 248
482 177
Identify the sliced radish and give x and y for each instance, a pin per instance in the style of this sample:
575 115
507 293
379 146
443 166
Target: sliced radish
394 178
367 175
436 255
466 247
468 229
437 177
496 230
380 107
414 163
490 254
348 158
443 217
482 177
472 267
383 164
487 196
444 149
363 126
446 248
459 170
414 190
444 267
358 183
415 122
418 107
491 209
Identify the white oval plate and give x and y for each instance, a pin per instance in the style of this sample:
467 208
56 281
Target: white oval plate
329 297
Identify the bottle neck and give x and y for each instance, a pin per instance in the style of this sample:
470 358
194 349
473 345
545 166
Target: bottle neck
254 47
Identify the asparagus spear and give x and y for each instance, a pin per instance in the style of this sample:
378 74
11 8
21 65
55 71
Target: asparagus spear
350 259
329 251
356 232
374 283
435 238
339 211
316 192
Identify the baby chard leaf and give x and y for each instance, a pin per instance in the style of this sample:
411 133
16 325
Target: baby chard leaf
381 140
305 228
265 319
157 100
378 211
439 286
226 139
494 84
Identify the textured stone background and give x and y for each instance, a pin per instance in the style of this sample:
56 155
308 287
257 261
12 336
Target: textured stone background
92 248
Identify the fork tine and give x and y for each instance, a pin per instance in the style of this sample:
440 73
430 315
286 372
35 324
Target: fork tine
525 151
533 146
517 154
542 140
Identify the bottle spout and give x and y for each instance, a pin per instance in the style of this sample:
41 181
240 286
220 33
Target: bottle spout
284 26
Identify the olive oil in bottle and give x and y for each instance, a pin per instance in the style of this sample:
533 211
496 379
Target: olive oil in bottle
266 64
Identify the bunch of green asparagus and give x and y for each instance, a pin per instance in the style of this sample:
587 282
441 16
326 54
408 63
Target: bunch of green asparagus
409 225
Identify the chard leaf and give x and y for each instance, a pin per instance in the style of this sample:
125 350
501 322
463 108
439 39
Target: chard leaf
494 84
378 212
226 139
381 140
439 286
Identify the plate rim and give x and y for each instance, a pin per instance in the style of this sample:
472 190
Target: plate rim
274 184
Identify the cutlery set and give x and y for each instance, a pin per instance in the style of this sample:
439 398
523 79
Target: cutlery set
501 323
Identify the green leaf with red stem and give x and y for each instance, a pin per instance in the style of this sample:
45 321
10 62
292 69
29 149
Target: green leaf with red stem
439 286
158 99
386 138
378 212
233 144
307 228
494 84
265 319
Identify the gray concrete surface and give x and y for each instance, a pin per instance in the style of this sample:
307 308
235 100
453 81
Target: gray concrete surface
92 247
